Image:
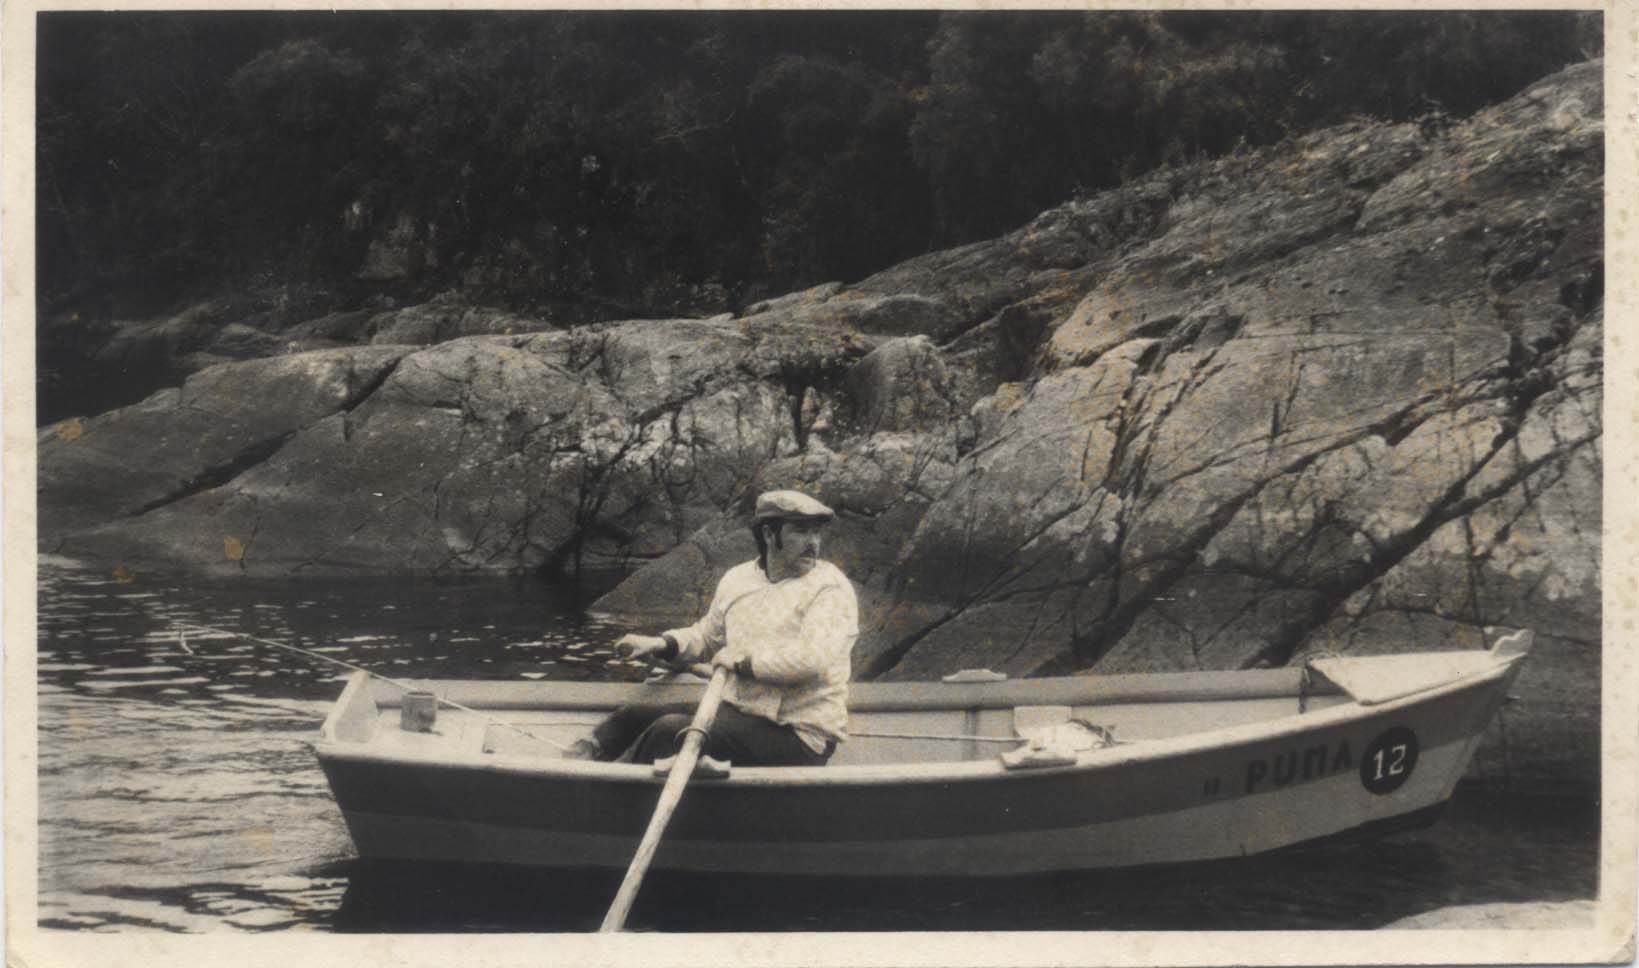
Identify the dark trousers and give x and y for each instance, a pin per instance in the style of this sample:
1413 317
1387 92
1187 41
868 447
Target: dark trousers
643 733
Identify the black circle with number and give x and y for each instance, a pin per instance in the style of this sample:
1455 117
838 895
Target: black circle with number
1388 760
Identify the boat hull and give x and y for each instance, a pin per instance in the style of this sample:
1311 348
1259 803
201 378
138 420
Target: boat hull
1218 794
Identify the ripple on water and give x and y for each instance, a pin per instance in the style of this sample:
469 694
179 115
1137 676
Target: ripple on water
177 781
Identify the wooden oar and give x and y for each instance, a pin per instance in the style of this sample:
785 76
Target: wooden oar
670 794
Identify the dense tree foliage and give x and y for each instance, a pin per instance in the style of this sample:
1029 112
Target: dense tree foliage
663 162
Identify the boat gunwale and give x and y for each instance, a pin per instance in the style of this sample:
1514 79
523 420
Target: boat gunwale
1283 683
871 774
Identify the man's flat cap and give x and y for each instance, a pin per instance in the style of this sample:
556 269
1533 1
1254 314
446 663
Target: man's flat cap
790 506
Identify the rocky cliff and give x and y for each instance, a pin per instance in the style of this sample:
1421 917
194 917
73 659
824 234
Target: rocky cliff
1340 394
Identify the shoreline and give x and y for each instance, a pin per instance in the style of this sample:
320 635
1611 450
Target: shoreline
1519 916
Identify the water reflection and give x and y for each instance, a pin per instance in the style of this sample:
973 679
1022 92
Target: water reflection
178 786
1339 886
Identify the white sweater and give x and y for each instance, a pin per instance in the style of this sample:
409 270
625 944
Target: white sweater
798 634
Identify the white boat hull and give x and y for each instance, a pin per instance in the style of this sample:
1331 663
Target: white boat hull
1348 768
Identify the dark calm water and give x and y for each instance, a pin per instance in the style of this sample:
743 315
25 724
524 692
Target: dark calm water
178 791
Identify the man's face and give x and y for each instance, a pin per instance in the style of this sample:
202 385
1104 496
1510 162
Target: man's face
798 549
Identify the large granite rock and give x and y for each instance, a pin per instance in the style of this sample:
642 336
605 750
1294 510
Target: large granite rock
446 318
1349 382
186 440
118 361
902 385
565 451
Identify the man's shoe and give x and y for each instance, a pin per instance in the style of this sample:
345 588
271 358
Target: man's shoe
583 749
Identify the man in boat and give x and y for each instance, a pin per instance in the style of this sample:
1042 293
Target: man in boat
784 624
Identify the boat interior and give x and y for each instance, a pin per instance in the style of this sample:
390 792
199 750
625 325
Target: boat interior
973 715
888 723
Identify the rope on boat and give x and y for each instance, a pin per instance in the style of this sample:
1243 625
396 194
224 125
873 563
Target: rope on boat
953 737
1105 736
182 633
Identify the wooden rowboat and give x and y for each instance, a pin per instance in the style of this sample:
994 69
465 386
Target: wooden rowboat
940 778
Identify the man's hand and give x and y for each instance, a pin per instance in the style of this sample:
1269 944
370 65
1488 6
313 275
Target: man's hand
636 646
735 662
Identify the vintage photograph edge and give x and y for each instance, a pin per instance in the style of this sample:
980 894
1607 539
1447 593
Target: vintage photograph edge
1610 940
